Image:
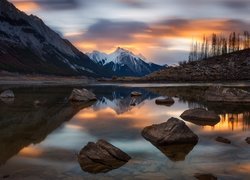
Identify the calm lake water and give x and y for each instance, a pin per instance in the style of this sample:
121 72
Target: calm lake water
40 141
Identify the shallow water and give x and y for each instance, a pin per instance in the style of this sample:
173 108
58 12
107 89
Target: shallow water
41 141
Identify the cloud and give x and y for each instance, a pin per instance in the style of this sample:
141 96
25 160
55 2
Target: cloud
106 34
113 30
145 26
197 27
105 31
133 3
237 5
49 4
171 37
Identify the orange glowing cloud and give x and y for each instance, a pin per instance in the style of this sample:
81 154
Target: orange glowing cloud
134 115
26 6
175 34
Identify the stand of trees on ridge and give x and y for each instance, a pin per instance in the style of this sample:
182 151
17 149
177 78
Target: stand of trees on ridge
217 45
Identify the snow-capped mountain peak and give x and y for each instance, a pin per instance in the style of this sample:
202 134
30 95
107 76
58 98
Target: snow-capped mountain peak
98 57
124 62
120 50
115 57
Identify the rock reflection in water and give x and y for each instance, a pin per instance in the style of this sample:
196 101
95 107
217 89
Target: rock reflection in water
177 152
7 100
95 167
233 116
28 122
203 123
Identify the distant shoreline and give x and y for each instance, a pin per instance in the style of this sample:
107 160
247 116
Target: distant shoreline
141 81
40 80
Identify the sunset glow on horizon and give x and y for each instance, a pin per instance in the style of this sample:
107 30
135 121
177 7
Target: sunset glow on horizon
160 30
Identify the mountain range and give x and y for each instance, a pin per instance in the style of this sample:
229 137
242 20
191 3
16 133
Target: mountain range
122 62
28 46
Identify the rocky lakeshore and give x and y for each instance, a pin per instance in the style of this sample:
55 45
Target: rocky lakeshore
234 66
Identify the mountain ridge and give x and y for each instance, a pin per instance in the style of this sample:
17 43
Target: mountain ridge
123 62
29 46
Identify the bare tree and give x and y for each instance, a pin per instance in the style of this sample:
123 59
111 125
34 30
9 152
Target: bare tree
219 45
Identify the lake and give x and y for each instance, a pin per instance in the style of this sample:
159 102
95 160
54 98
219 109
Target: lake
41 140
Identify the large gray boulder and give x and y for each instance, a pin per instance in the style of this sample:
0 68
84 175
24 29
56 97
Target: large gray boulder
7 94
200 116
174 131
221 94
82 95
101 157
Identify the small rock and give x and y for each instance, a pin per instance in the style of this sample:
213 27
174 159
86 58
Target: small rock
101 157
167 101
134 93
248 140
205 177
174 131
200 116
7 101
37 103
7 94
82 95
223 140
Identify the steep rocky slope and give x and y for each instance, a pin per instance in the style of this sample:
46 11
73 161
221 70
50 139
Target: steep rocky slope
234 66
27 45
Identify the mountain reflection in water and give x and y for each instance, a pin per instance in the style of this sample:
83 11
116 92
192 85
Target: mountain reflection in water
23 123
44 139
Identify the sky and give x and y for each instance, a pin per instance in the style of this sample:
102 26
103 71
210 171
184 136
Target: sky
161 30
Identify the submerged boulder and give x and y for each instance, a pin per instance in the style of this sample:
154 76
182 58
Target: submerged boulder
205 177
200 116
135 93
82 95
223 140
248 140
7 94
221 94
101 157
166 101
174 131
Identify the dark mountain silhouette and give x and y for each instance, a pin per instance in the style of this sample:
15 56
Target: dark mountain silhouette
28 46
